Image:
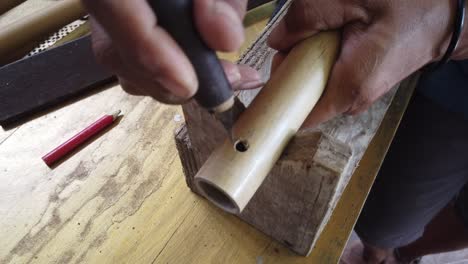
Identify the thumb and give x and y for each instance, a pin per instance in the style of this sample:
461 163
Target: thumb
295 26
306 18
332 102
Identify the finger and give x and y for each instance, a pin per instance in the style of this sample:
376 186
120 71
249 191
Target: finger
130 80
232 71
107 55
298 23
250 79
152 89
282 38
130 88
339 94
242 77
357 78
104 51
220 22
325 109
277 60
131 24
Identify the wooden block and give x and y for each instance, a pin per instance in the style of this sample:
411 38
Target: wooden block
296 200
48 78
295 196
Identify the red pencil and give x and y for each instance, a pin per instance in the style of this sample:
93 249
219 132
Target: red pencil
65 148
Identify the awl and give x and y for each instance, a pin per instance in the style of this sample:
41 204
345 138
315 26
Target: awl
214 92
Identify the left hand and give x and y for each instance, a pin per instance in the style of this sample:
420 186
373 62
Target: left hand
383 42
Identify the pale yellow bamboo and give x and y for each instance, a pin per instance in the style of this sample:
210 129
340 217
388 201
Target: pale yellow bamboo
40 24
6 5
230 177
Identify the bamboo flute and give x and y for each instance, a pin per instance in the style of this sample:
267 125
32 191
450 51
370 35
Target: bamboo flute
232 174
6 5
30 29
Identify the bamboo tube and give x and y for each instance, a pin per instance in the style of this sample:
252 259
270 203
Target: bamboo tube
232 174
42 23
6 5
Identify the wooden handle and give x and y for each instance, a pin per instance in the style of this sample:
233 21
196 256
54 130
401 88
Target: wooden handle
176 16
6 5
232 174
42 23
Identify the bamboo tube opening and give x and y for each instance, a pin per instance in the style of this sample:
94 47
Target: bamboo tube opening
217 196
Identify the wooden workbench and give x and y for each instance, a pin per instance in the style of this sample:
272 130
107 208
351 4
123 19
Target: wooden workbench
123 198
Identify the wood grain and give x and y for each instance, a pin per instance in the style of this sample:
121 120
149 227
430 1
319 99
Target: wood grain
123 198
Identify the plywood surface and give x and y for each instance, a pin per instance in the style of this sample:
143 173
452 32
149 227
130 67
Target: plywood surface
123 198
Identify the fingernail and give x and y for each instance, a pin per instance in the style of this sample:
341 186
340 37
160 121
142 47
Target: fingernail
250 85
179 90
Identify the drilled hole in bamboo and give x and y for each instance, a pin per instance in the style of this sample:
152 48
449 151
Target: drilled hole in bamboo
241 146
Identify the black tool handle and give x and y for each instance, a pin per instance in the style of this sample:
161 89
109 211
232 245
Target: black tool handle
176 17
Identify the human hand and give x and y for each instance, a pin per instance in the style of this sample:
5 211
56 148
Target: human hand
382 43
147 61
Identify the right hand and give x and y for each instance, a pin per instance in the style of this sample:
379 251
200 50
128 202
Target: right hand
145 58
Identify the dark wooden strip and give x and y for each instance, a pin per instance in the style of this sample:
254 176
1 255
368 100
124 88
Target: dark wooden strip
46 79
256 3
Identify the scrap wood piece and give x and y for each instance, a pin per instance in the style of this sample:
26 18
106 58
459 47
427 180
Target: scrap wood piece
46 79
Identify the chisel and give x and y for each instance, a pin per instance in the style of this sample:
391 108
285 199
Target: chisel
214 92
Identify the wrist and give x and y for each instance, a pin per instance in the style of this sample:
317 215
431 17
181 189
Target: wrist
455 40
461 52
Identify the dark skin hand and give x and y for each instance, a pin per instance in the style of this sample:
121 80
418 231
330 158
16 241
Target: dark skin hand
383 42
147 61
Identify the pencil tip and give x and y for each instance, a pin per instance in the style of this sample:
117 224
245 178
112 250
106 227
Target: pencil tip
116 114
